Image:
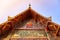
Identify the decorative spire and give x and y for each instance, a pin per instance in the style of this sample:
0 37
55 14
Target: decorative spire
29 5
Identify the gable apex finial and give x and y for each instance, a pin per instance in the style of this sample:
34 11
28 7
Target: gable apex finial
29 5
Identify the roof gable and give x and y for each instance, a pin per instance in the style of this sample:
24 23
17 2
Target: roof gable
24 16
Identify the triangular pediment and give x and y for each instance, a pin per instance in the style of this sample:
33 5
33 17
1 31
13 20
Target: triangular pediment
30 14
29 20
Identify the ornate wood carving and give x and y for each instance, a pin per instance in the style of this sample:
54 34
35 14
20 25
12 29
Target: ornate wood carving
58 32
52 28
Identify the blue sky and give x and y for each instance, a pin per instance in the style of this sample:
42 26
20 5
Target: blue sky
44 7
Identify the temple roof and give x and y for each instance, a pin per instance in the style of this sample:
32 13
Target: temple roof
25 15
